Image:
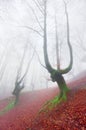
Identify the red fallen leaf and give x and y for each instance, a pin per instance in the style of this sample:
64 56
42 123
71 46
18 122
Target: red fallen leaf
22 116
62 117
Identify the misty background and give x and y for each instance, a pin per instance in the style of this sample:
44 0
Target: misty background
15 18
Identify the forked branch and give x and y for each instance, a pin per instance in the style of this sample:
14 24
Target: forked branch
66 70
48 65
34 30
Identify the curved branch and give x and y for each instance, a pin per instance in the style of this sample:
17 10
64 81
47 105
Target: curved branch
64 71
21 64
34 30
35 17
48 65
23 77
37 20
40 60
38 6
38 57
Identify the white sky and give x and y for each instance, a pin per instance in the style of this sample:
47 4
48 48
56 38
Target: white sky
13 37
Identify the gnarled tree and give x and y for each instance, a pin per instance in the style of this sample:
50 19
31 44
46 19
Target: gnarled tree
56 74
19 83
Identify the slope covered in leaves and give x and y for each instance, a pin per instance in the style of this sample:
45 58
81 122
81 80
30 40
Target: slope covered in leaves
70 115
21 116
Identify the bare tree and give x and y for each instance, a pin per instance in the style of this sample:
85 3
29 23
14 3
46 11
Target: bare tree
4 60
19 83
32 84
56 74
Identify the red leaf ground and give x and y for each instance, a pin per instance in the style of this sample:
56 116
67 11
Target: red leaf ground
70 115
21 116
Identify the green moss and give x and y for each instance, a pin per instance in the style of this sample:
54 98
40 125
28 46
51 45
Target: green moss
53 73
49 105
7 108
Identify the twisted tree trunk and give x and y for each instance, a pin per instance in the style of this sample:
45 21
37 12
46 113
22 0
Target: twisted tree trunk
56 75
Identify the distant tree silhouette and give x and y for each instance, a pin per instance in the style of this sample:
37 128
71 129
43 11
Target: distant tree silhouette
19 83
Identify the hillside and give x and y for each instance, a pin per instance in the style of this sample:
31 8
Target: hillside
70 115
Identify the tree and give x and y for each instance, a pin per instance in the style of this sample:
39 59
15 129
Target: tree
56 74
19 83
4 60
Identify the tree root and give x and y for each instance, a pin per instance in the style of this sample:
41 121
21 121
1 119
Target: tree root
49 105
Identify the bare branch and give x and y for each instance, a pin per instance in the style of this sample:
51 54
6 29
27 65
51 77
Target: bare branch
19 84
23 77
21 64
35 16
30 28
37 19
80 41
39 3
2 71
38 57
38 6
48 65
39 60
64 71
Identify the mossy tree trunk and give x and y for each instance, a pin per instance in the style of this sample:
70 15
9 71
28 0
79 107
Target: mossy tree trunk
57 74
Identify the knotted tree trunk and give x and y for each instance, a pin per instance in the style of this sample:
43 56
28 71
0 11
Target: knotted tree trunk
57 74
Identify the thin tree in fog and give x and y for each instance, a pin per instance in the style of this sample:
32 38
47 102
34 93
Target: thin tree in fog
20 80
4 60
32 84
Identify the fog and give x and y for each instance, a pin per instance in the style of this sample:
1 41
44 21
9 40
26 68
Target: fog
15 18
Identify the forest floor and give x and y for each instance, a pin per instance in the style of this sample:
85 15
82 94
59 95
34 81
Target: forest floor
69 115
